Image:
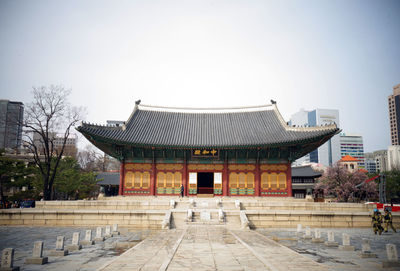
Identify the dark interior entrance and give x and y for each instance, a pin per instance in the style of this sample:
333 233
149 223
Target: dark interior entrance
205 183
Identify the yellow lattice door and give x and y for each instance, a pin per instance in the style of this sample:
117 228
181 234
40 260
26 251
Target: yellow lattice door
177 182
160 183
274 181
264 181
146 180
128 180
233 183
282 181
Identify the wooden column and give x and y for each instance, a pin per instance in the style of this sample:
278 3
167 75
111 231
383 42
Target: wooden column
225 177
153 176
289 180
185 177
258 178
121 178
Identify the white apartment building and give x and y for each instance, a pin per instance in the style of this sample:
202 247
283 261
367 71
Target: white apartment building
352 144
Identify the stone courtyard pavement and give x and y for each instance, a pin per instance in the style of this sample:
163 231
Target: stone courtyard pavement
200 247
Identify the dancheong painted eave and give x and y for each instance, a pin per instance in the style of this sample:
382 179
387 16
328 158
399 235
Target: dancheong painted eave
245 127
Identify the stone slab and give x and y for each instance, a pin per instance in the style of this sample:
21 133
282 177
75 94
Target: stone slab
390 264
41 260
15 268
367 255
346 248
58 252
87 243
331 244
74 247
317 240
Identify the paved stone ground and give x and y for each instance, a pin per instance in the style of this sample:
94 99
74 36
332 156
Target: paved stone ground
334 258
88 258
200 248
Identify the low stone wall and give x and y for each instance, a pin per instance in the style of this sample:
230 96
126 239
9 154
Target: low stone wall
103 205
320 219
310 206
150 219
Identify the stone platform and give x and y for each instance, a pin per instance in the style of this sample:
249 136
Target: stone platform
153 212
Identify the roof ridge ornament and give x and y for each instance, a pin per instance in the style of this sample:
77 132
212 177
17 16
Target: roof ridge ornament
206 109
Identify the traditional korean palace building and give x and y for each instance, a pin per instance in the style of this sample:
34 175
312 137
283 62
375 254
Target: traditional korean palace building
231 152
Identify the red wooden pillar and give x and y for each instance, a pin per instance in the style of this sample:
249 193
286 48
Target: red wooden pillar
185 177
289 180
257 180
225 179
153 177
121 178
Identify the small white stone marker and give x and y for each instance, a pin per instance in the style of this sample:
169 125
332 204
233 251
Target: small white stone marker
108 231
331 240
59 251
88 238
37 254
366 249
244 222
218 202
75 242
115 229
99 234
237 204
317 237
221 215
172 203
189 215
205 216
75 238
391 251
299 232
346 243
191 202
60 243
393 259
308 233
7 260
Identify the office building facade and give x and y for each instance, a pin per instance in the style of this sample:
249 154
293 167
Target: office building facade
11 118
352 144
394 115
328 153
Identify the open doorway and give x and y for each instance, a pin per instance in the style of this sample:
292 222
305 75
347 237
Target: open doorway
205 183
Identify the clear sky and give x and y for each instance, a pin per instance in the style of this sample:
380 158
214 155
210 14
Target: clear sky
341 54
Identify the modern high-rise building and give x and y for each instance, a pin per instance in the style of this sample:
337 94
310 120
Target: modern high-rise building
328 153
352 144
11 118
393 158
394 115
376 161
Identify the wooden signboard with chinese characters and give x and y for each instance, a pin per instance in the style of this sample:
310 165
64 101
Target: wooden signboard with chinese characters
212 153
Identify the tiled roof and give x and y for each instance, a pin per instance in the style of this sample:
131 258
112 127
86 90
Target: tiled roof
305 171
108 178
348 158
189 128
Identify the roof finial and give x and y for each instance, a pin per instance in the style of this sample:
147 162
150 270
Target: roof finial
273 102
137 102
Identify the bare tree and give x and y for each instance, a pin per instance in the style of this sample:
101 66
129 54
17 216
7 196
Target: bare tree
47 118
91 159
